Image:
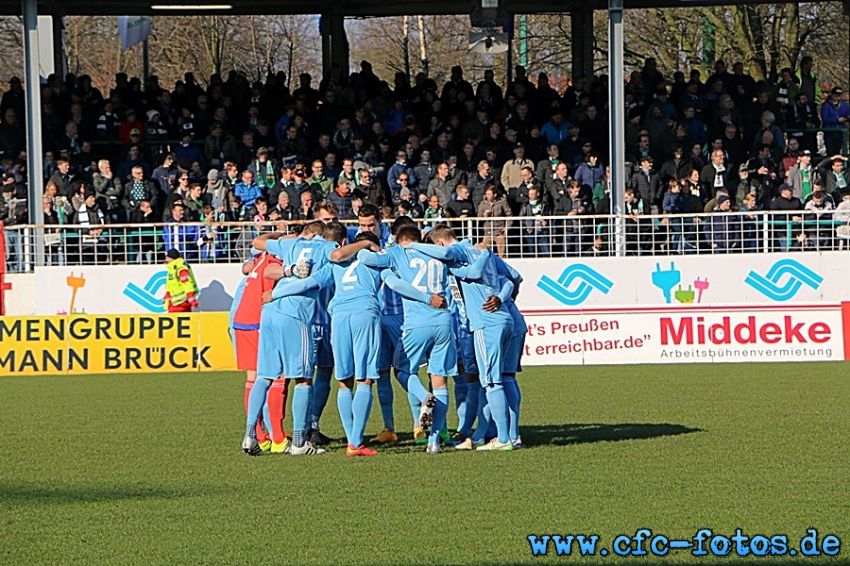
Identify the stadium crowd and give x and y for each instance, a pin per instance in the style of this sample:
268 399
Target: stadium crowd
260 152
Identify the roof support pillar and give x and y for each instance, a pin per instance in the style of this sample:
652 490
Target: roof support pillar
334 40
581 29
35 175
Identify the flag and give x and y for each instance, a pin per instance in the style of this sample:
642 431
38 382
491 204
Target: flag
133 30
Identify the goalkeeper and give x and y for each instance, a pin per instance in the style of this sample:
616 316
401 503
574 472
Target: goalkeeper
282 322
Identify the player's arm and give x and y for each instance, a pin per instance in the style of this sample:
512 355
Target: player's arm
247 266
274 271
318 280
474 270
184 277
348 251
408 291
448 253
377 260
494 302
505 270
262 240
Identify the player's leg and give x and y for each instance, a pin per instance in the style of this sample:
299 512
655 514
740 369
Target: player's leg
390 336
365 330
511 364
269 367
323 355
408 353
277 396
342 339
246 344
298 365
441 362
490 343
473 392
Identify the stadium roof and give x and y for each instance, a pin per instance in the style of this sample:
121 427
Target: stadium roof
346 7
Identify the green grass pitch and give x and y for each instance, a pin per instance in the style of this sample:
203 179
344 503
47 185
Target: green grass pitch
146 469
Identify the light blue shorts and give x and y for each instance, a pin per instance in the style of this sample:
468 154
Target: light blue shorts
354 336
466 349
390 338
491 343
434 343
285 348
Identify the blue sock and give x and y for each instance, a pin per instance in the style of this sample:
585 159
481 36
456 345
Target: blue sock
385 396
300 410
361 408
343 403
321 392
512 396
460 399
415 387
441 409
472 393
256 400
484 417
402 378
499 410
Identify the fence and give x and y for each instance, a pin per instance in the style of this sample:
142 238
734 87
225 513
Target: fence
524 237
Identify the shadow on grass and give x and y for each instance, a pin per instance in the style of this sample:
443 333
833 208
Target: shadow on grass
61 494
581 433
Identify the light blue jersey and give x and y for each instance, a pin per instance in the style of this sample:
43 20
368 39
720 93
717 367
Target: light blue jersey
291 251
424 273
356 286
505 270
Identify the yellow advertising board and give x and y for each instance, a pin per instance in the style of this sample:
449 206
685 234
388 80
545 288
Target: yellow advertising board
127 343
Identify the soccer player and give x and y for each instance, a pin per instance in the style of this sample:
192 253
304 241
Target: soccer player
283 321
355 328
326 213
427 331
265 271
490 323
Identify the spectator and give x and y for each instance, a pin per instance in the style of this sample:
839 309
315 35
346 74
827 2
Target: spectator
143 241
575 203
747 185
511 171
62 177
647 183
348 172
164 175
536 230
133 160
441 185
187 152
412 207
138 189
369 190
517 196
807 80
802 115
193 203
715 175
461 206
130 125
558 186
13 211
247 190
725 229
434 211
219 146
109 192
180 236
801 176
495 231
556 129
92 245
341 198
211 236
424 171
479 181
836 180
323 185
264 170
589 173
785 204
835 113
399 168
215 189
284 209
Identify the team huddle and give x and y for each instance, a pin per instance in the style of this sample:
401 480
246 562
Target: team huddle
362 302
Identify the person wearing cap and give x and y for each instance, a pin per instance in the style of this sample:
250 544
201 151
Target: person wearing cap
129 124
511 176
647 183
756 184
91 219
219 146
181 289
264 170
187 152
785 203
801 176
155 130
835 113
216 189
341 197
725 230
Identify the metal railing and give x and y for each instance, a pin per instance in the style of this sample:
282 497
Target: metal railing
524 237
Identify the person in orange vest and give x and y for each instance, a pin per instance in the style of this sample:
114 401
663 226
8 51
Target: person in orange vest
181 290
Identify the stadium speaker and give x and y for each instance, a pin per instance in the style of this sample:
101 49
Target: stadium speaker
488 13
